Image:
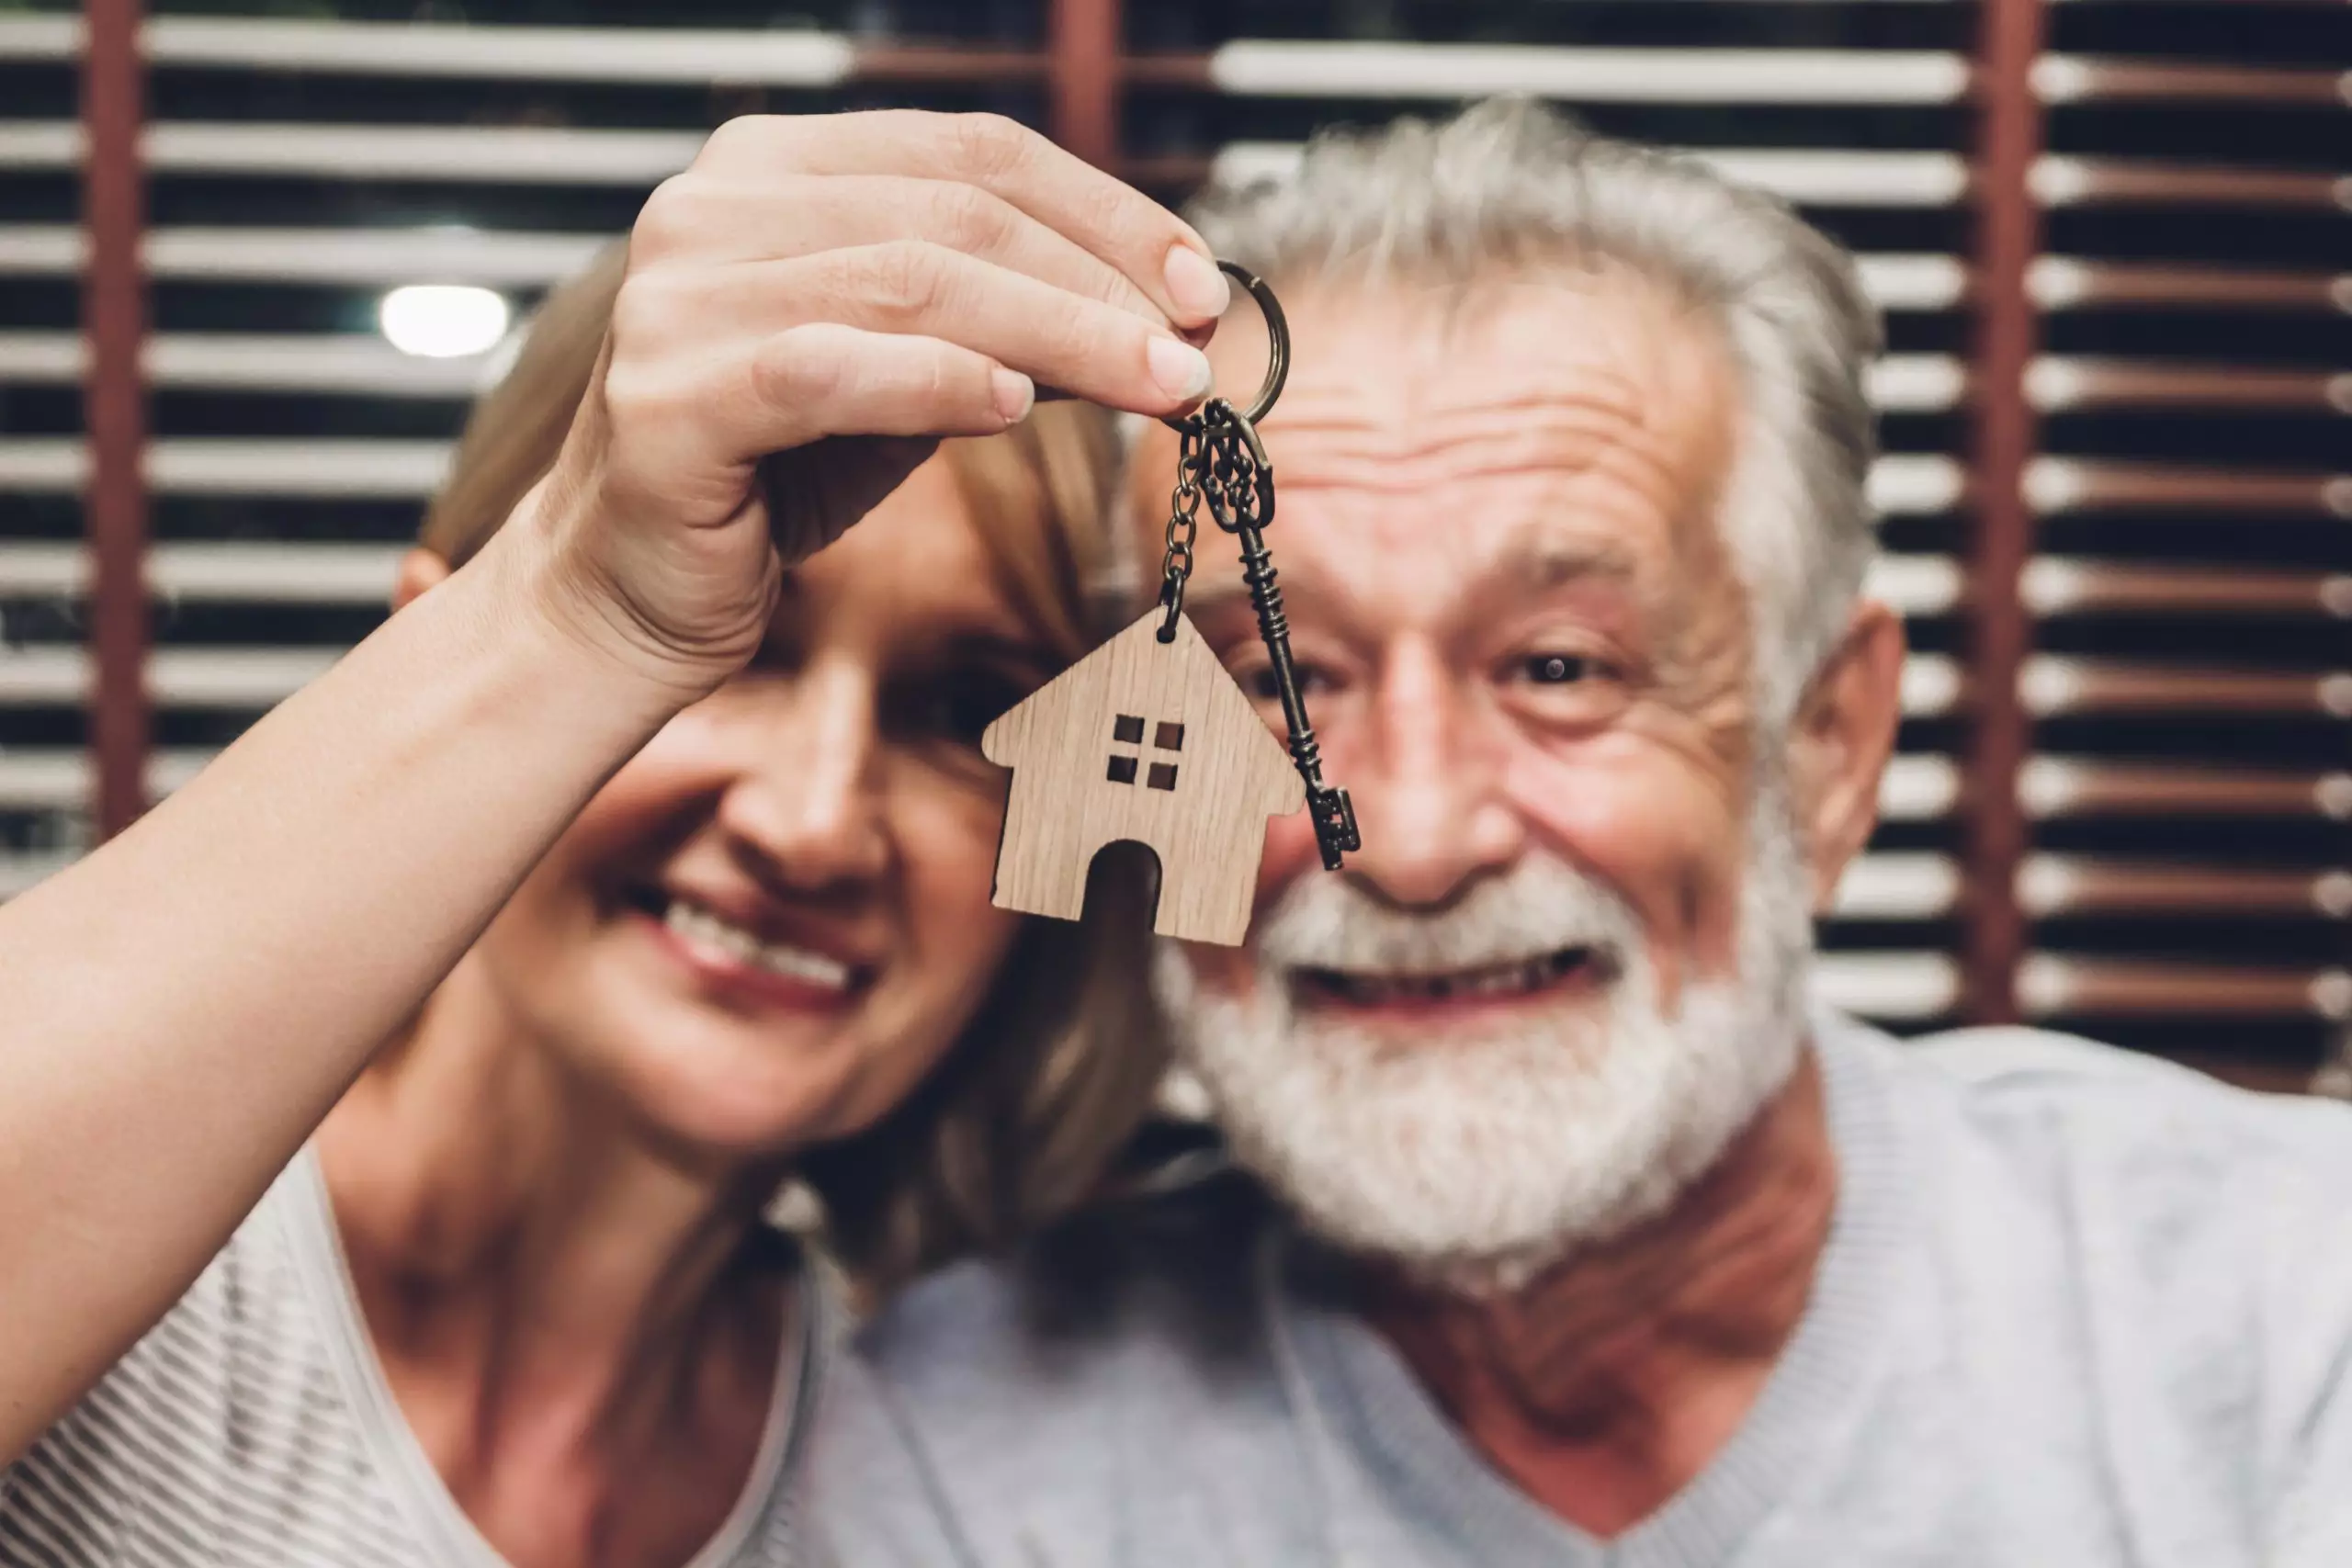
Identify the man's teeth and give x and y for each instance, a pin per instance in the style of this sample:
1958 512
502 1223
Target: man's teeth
1510 979
702 928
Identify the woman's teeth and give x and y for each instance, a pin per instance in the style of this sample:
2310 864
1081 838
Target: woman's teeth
1517 978
700 928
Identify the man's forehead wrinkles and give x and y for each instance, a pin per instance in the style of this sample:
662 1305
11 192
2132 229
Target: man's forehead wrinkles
1538 557
1338 404
1536 553
1548 452
1562 441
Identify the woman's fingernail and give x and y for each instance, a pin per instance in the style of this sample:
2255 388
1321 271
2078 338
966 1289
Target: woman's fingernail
1181 370
1194 284
1016 394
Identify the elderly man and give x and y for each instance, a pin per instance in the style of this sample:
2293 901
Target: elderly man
1568 1235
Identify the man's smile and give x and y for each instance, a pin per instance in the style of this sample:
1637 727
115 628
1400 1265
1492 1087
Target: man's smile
1513 980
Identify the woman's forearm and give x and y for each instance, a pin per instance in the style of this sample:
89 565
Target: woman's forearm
179 1011
177 1014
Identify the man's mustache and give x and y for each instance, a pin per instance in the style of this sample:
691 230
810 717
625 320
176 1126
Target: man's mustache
1540 905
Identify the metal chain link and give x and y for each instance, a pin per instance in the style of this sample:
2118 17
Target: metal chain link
1183 523
1215 468
1221 464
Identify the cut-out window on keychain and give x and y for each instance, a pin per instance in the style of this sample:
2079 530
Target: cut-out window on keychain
1127 729
1207 836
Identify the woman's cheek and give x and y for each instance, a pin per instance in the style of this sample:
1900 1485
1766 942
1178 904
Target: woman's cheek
950 943
946 843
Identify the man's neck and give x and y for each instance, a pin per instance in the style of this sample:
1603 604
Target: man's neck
1605 1386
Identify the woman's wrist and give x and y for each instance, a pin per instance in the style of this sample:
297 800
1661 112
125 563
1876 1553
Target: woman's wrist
536 583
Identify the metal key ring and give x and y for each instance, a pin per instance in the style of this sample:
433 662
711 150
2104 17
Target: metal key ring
1278 349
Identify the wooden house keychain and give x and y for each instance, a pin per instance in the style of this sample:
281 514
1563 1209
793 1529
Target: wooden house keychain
1148 740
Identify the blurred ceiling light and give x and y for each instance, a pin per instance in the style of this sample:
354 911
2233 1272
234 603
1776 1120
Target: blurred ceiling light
441 320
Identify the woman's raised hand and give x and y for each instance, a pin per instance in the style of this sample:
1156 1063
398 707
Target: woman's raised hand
183 1006
806 310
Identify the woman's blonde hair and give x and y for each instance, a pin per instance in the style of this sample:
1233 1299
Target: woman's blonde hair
1052 1075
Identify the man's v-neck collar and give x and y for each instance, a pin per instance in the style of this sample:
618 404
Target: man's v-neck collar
1368 1415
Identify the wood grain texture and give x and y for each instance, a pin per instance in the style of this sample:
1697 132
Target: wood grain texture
1208 831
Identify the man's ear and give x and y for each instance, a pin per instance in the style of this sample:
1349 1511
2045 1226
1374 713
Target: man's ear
1842 740
420 569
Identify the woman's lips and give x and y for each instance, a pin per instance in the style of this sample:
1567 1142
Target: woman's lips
734 962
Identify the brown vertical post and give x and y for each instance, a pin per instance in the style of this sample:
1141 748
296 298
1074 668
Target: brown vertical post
114 324
2008 232
1085 69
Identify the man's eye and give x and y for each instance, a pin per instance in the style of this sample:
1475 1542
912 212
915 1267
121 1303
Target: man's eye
1557 668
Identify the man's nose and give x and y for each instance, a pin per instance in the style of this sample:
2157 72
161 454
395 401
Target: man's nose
1426 778
804 809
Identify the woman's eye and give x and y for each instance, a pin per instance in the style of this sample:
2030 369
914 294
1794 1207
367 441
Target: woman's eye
1262 686
775 656
1557 668
956 709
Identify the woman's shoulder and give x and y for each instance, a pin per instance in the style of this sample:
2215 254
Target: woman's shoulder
226 1432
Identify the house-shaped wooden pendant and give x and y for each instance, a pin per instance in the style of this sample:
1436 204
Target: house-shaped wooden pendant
1147 742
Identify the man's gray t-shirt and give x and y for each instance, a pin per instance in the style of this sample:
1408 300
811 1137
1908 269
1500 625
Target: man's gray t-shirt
2077 1308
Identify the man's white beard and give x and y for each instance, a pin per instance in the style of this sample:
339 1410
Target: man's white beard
1480 1159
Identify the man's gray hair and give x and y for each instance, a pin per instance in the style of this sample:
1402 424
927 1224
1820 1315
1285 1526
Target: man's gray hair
1512 183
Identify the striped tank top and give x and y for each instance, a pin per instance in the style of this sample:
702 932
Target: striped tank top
253 1426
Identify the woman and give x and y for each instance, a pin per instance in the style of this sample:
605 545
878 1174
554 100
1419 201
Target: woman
516 1303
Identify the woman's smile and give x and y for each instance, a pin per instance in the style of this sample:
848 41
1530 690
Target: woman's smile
635 872
745 957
